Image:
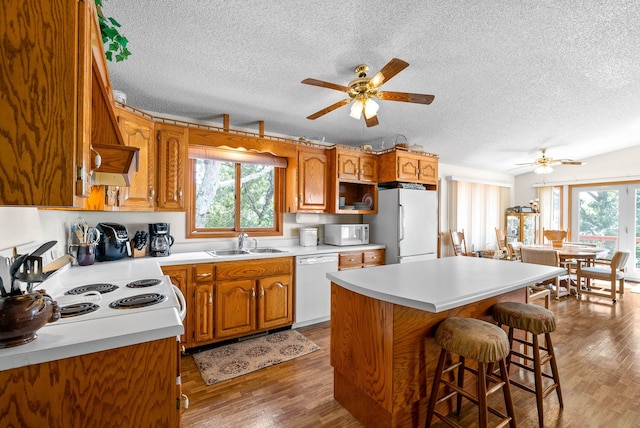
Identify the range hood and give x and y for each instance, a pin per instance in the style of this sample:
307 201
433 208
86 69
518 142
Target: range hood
118 162
118 165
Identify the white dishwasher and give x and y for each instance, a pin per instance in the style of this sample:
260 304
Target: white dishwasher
313 289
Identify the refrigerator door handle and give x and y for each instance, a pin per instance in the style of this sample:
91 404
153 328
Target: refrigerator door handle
400 222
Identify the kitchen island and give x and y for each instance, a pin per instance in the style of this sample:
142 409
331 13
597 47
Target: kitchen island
383 320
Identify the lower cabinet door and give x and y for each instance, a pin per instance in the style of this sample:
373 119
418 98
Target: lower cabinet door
203 324
275 305
235 308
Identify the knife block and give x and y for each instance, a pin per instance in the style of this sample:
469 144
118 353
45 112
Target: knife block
138 253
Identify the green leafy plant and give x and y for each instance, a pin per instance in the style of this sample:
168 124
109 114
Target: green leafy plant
115 44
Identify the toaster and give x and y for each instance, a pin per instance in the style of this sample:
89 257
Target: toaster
114 242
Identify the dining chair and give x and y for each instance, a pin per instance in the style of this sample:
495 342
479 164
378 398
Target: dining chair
514 250
555 236
612 272
459 244
501 238
548 257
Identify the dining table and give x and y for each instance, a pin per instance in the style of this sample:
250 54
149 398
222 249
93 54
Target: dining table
585 253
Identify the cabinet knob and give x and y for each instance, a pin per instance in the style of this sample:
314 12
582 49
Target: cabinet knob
203 275
180 194
152 193
253 293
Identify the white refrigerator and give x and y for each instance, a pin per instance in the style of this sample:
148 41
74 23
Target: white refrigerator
406 223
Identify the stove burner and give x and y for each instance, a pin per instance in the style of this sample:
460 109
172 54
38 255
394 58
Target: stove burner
144 283
78 309
100 288
138 301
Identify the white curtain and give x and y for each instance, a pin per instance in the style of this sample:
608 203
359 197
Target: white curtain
545 196
478 209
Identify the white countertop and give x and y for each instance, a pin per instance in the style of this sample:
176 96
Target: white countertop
56 341
442 284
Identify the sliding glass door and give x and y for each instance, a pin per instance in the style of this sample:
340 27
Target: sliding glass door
609 216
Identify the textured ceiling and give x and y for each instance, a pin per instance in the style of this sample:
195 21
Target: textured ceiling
509 77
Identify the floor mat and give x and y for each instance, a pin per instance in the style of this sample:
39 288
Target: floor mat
236 359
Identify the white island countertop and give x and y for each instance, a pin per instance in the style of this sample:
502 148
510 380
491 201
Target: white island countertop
442 284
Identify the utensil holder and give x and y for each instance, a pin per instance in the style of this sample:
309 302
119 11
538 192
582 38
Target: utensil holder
86 254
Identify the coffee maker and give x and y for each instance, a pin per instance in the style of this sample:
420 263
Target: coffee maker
160 241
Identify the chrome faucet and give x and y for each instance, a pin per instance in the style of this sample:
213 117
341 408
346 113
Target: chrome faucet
241 238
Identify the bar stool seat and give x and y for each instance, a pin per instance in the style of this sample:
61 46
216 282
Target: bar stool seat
483 342
536 320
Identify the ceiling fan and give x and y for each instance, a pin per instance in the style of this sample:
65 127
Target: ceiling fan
544 163
362 90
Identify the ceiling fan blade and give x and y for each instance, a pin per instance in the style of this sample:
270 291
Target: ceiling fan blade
392 68
526 164
372 121
331 108
328 85
570 162
406 97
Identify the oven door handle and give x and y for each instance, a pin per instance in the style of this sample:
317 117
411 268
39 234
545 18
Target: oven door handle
181 301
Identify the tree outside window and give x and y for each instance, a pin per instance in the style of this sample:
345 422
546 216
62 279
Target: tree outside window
233 196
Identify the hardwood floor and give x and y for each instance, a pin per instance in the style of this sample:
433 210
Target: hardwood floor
597 345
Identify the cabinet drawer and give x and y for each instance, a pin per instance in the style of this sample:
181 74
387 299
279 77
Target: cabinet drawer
203 272
350 260
373 257
254 269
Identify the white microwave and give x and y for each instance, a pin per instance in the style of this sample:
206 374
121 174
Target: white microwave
346 234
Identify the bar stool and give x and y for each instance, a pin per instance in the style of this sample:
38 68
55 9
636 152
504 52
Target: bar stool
536 320
480 341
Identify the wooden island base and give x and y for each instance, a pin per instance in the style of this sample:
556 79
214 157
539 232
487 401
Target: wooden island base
384 355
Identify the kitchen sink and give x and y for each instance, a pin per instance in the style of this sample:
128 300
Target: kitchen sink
227 252
266 250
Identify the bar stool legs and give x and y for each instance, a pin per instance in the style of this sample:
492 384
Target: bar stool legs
476 340
536 321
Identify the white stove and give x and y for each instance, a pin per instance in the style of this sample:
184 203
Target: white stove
93 300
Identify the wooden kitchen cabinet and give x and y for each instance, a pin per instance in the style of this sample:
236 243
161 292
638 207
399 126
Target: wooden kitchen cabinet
172 157
137 131
253 296
129 387
46 103
203 303
408 167
353 176
360 259
313 170
355 165
233 299
196 283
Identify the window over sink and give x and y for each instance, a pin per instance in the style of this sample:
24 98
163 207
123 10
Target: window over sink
233 190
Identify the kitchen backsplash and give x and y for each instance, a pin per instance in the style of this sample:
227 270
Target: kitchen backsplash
22 225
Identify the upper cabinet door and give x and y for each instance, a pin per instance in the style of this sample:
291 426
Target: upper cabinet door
137 131
45 56
312 179
348 166
368 170
172 167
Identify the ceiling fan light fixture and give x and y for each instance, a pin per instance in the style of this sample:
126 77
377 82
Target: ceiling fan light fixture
356 109
543 169
370 108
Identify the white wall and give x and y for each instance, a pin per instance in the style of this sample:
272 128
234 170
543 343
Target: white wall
22 225
623 165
